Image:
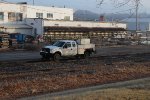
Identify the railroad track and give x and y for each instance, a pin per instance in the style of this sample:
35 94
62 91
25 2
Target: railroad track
134 57
52 71
63 67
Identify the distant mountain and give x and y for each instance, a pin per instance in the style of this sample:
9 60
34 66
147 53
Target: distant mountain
85 15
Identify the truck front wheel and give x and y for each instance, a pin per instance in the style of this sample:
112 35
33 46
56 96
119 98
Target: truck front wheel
56 57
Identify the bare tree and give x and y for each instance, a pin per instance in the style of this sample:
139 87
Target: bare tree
100 2
121 3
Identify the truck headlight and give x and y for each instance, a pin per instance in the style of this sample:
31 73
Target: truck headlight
51 50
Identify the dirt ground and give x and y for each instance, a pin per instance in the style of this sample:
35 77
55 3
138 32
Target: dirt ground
22 79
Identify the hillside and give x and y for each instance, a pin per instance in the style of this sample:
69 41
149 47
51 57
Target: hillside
85 15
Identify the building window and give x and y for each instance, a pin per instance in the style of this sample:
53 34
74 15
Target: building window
19 16
67 18
12 16
49 15
39 15
1 16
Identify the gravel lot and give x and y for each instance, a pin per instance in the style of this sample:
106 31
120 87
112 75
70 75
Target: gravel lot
102 51
19 55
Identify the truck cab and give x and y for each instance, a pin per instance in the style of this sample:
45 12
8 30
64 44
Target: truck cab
69 48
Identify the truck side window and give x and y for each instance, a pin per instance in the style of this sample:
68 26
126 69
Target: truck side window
65 46
73 44
68 44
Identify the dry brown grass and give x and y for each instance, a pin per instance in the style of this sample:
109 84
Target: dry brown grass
110 94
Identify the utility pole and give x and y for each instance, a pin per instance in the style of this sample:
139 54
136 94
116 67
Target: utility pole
33 2
137 2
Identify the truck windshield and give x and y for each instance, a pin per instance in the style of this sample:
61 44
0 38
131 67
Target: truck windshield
59 43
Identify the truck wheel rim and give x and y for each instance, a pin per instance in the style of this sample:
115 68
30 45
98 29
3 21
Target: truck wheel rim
57 57
86 55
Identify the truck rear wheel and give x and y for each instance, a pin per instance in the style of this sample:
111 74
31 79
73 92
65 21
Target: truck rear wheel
56 57
86 54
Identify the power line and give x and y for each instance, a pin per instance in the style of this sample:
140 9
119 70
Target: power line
122 11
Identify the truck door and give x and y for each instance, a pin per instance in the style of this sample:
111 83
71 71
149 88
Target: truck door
67 49
74 48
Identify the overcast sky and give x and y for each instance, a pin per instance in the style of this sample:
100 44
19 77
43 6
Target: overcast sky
91 5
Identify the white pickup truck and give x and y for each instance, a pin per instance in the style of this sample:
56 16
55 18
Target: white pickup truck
65 48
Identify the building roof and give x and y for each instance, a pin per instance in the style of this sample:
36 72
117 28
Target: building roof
34 6
15 26
80 29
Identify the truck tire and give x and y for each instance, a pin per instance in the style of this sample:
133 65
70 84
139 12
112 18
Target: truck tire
86 54
56 57
45 58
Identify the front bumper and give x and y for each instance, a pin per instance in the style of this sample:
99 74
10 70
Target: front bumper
46 54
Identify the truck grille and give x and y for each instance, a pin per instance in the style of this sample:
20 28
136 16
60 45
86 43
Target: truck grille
46 50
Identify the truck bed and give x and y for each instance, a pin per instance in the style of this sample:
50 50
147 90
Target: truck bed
82 47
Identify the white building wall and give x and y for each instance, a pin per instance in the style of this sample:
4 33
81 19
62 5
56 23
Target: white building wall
8 7
58 13
30 11
37 25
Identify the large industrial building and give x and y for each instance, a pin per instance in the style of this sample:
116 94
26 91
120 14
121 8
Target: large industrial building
21 19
